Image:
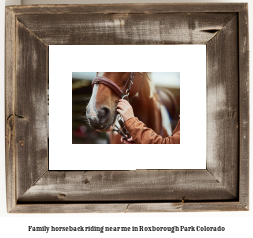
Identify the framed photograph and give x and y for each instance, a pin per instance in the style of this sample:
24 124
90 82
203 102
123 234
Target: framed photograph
48 46
154 97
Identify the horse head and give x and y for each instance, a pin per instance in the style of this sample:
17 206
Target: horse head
101 110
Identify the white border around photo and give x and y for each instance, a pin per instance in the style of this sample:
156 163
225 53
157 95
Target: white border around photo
189 60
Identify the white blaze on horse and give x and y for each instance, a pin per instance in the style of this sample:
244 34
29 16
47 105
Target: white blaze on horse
150 106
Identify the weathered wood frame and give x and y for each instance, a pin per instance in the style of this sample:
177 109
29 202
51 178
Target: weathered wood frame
222 186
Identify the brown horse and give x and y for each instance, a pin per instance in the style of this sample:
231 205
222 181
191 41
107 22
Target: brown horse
101 110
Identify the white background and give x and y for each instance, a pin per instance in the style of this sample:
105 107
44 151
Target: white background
190 61
238 224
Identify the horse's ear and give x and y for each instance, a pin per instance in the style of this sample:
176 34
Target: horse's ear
99 74
147 75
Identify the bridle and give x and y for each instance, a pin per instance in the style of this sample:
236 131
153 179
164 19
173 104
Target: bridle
114 87
124 93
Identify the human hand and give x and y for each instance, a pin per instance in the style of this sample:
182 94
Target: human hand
125 109
129 141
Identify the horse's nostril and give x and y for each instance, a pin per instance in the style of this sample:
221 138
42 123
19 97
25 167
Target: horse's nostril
104 114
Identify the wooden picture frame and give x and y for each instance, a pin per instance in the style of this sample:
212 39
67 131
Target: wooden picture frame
222 186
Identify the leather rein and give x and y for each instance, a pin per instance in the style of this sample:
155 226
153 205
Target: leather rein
123 94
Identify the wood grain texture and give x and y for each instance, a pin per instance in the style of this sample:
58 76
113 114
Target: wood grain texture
129 8
133 29
223 186
9 109
30 109
186 207
244 106
140 185
222 107
129 207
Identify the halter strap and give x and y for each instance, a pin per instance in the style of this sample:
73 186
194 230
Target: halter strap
109 83
129 82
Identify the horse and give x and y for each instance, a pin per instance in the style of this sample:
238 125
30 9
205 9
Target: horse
148 104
